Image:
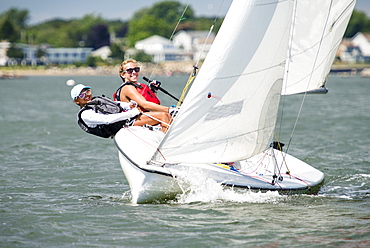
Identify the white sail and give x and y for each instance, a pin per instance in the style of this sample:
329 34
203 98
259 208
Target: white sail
317 30
230 112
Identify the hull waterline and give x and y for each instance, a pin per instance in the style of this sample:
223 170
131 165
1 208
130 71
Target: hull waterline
264 172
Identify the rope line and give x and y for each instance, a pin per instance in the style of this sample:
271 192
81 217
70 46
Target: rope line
156 119
146 142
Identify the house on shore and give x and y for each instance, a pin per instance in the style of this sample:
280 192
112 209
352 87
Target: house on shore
161 49
67 55
186 46
198 43
348 53
362 41
4 46
60 55
355 50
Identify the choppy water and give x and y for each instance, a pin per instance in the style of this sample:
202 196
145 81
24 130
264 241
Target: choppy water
61 187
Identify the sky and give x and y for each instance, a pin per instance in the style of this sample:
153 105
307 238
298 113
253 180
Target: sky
43 10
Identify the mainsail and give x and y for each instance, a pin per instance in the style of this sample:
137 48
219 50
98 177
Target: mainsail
317 30
230 111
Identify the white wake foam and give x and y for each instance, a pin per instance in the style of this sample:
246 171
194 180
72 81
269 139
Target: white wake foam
198 188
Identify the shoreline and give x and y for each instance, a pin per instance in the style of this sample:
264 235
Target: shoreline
161 69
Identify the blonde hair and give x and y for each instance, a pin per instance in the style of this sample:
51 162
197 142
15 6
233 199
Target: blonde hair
125 62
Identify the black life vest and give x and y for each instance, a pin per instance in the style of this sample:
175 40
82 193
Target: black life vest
103 105
143 89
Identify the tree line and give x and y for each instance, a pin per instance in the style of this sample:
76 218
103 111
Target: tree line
94 31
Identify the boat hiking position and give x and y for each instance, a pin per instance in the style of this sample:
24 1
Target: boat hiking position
225 128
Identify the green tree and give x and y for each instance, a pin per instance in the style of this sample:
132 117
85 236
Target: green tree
118 27
11 24
63 33
40 53
143 57
117 52
19 17
57 32
98 36
358 23
15 53
88 21
146 27
160 19
171 12
8 31
91 61
202 23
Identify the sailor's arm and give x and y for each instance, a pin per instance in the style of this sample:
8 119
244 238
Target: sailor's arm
91 118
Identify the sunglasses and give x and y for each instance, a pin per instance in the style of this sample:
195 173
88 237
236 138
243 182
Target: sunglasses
85 93
131 70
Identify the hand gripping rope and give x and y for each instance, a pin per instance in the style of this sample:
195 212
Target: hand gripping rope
156 119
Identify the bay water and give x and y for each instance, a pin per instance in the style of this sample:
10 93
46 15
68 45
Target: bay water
61 187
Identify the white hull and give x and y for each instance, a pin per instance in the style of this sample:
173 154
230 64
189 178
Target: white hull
150 182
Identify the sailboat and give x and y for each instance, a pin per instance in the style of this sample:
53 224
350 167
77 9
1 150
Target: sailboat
224 130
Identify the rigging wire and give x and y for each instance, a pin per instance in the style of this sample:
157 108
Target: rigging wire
195 67
284 97
289 57
173 33
313 67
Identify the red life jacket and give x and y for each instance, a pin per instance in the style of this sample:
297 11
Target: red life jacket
143 89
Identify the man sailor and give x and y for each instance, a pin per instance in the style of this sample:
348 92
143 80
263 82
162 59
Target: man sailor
103 117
